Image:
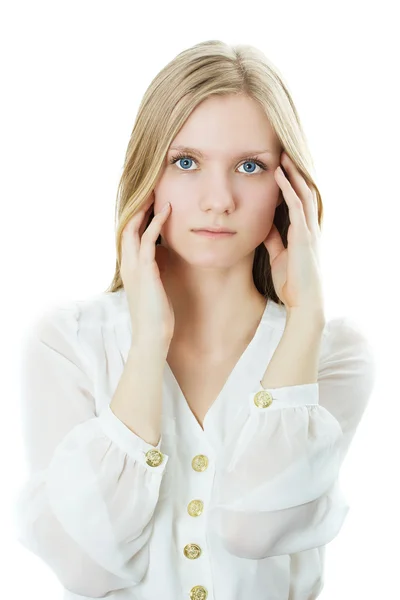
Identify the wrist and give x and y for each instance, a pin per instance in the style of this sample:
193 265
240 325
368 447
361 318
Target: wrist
149 347
313 318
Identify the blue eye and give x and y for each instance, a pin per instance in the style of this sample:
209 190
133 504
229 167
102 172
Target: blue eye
179 158
247 162
186 157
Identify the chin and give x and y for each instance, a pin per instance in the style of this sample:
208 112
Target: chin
209 259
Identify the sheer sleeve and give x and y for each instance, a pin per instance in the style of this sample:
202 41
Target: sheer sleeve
277 491
87 505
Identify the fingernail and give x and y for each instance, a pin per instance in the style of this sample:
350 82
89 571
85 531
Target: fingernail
166 206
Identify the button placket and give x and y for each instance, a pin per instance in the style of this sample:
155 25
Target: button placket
195 508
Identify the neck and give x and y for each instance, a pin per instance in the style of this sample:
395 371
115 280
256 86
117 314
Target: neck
215 307
216 326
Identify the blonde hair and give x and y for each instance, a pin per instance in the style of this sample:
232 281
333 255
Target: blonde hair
206 69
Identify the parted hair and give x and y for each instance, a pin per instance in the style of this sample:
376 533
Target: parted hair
211 68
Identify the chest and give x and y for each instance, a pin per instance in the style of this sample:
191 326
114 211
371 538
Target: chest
200 380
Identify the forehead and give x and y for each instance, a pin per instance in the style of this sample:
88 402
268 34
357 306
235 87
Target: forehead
226 127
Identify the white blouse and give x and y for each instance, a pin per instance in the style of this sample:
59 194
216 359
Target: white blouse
242 509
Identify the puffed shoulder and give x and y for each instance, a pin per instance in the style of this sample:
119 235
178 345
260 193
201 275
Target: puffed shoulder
345 334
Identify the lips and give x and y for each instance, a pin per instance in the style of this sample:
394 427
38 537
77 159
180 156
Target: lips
215 230
214 234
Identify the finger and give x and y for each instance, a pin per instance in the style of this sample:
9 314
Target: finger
304 193
295 205
150 236
137 219
273 243
133 230
145 221
131 238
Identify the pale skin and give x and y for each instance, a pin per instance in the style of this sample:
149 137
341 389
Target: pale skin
297 280
210 282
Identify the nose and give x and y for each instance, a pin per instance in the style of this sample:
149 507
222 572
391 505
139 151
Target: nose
217 197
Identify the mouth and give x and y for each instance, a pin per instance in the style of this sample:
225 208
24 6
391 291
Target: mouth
214 229
214 234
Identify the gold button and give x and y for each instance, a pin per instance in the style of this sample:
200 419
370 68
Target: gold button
198 592
154 458
200 462
263 399
192 551
195 508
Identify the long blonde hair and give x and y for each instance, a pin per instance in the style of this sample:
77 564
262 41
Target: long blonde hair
206 69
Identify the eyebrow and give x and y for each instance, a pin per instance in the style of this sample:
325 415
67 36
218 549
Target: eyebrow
201 154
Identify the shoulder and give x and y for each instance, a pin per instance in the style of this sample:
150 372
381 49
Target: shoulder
69 330
344 343
345 331
72 316
346 349
339 331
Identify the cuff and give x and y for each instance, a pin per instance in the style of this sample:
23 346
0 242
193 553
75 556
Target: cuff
290 396
134 446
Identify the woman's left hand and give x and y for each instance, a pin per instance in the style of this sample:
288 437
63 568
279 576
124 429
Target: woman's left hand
295 270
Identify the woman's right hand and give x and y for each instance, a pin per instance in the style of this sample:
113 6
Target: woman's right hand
150 308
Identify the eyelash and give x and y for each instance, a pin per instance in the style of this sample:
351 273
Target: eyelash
179 156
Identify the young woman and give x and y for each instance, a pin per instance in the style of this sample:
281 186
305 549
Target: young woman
186 428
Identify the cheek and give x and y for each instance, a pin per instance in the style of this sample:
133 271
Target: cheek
262 214
180 219
258 222
168 191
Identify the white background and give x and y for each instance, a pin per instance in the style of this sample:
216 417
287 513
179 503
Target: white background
72 77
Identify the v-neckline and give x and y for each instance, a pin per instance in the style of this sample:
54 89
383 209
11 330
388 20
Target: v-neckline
237 365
